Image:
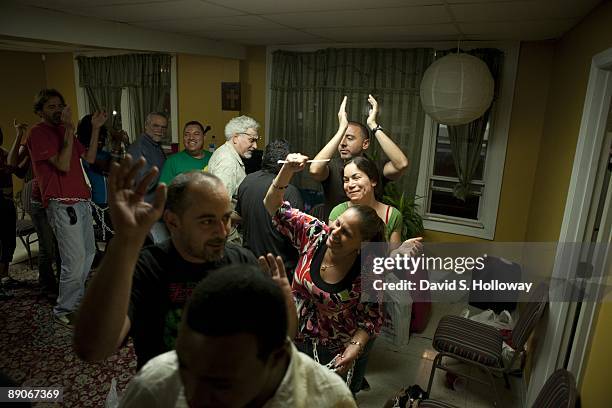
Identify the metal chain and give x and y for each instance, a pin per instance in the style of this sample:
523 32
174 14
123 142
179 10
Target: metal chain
330 365
99 212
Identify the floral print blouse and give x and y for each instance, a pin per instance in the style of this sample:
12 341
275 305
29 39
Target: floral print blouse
327 313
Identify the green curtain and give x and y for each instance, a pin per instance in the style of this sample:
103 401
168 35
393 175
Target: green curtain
146 77
307 88
108 99
466 140
144 100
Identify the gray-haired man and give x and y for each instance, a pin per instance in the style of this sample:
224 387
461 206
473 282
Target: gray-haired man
148 145
226 162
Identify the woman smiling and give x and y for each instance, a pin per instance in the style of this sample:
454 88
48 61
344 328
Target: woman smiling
361 179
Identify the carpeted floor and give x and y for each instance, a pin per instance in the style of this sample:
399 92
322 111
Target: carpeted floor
35 351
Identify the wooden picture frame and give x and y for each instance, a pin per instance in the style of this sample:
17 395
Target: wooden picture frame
230 96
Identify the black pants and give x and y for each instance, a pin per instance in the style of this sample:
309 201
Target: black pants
8 239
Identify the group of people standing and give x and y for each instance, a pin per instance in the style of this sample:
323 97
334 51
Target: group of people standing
202 324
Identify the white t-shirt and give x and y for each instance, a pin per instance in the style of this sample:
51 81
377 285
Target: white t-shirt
305 384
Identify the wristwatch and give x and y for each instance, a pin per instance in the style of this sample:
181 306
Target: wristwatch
376 129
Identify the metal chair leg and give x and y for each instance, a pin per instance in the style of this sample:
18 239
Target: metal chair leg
507 380
492 379
435 363
27 247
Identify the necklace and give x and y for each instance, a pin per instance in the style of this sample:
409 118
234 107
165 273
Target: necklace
325 266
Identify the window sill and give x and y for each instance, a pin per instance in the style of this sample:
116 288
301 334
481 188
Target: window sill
476 230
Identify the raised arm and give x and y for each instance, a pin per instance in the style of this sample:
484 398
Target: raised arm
275 267
274 197
97 120
13 155
62 160
398 161
320 171
103 321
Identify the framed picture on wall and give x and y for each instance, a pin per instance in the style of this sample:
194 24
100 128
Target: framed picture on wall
230 96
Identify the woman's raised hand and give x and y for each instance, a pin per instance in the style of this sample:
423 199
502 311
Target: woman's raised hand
296 162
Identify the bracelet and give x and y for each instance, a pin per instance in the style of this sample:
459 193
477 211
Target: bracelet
357 343
279 188
376 129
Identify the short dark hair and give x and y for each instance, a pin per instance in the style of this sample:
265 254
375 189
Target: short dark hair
367 166
238 299
275 150
371 227
193 122
177 198
84 129
365 132
43 96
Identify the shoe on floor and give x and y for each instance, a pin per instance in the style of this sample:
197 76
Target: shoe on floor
10 283
66 320
365 385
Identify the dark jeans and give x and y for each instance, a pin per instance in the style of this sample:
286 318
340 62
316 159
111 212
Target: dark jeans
326 355
8 241
47 248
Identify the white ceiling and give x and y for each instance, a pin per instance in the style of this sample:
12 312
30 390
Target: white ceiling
293 22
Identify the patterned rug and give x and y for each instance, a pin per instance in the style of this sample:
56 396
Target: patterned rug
35 351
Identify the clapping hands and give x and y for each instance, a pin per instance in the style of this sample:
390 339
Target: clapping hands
98 119
20 128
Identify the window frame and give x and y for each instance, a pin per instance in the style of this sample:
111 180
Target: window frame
493 172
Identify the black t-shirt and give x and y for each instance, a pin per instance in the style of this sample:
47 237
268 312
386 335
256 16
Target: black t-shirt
257 230
162 284
333 185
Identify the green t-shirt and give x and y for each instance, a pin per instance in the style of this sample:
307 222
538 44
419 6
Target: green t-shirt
393 222
182 162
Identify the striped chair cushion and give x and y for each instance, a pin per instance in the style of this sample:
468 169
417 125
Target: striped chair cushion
435 404
530 316
559 391
469 339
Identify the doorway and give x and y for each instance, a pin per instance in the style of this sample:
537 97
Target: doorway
587 218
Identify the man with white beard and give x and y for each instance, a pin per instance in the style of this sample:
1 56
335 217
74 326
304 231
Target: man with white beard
226 162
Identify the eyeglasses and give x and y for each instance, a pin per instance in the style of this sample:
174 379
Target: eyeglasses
253 137
156 126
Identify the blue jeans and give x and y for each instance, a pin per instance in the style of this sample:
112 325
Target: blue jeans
326 355
47 247
75 238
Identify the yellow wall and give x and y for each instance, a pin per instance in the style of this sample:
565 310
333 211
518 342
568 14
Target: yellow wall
59 74
570 75
571 65
22 75
253 86
199 92
595 390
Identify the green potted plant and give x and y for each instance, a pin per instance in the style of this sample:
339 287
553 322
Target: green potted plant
413 222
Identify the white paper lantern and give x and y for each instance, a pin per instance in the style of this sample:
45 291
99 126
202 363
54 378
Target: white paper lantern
456 89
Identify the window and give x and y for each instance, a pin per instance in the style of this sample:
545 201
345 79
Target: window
477 215
443 179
